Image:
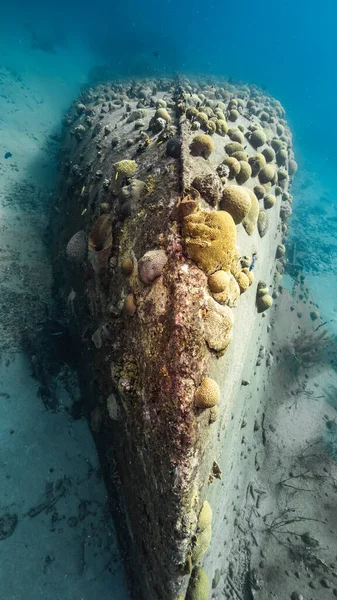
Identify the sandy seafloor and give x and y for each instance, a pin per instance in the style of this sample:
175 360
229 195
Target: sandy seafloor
57 540
314 222
60 540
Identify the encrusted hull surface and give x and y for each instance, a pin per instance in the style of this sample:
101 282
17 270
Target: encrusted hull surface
167 285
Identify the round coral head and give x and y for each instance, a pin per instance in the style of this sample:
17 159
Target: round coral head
207 394
130 306
100 236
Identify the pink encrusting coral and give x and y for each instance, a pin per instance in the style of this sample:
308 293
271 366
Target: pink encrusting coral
172 353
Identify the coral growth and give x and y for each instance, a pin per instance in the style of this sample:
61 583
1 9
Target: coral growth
189 203
276 144
242 280
232 147
230 294
125 168
257 138
281 157
210 239
198 587
236 201
233 115
201 544
100 235
233 165
112 407
292 167
269 201
205 516
282 174
127 266
264 302
236 135
133 191
100 242
245 172
269 154
161 113
130 306
262 223
202 145
251 218
207 394
151 265
76 249
209 187
267 173
285 211
240 155
213 414
161 313
218 323
211 127
249 274
218 281
257 161
221 126
280 250
173 148
263 299
135 115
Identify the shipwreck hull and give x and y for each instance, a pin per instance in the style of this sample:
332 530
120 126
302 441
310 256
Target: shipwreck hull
166 287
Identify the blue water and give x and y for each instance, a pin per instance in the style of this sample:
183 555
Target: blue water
48 50
287 47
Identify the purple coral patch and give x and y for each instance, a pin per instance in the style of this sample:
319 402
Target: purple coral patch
151 265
